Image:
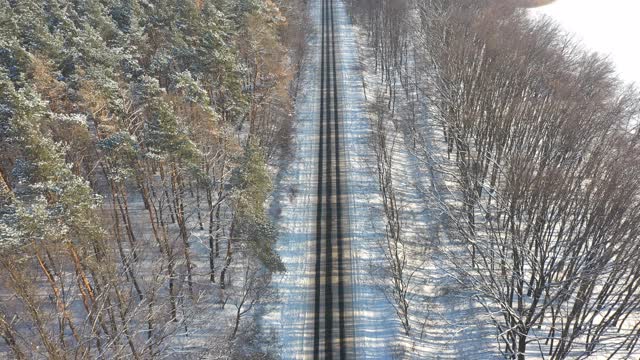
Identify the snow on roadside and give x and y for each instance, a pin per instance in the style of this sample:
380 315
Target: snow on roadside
293 201
377 328
446 322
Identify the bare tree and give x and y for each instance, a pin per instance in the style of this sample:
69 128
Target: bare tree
536 130
395 243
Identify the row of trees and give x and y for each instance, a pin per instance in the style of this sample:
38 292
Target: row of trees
396 242
542 158
135 144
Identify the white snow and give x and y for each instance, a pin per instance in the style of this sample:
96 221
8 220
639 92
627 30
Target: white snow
377 329
446 322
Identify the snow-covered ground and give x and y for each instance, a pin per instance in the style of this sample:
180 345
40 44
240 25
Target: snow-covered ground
377 329
294 199
446 323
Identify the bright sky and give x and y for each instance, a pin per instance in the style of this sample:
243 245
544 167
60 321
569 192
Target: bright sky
611 27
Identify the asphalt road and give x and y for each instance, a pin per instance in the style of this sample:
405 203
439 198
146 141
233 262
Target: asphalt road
333 331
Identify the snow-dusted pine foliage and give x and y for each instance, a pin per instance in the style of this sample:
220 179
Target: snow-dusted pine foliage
137 144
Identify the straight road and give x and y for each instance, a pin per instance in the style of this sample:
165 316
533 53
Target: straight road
333 331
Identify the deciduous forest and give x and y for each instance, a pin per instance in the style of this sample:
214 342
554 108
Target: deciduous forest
534 142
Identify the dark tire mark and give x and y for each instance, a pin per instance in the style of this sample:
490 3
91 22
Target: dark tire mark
329 185
318 264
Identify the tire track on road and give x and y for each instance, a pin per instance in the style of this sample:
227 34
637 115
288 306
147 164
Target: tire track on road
333 332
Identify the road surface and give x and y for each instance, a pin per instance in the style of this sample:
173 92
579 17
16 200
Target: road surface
333 334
